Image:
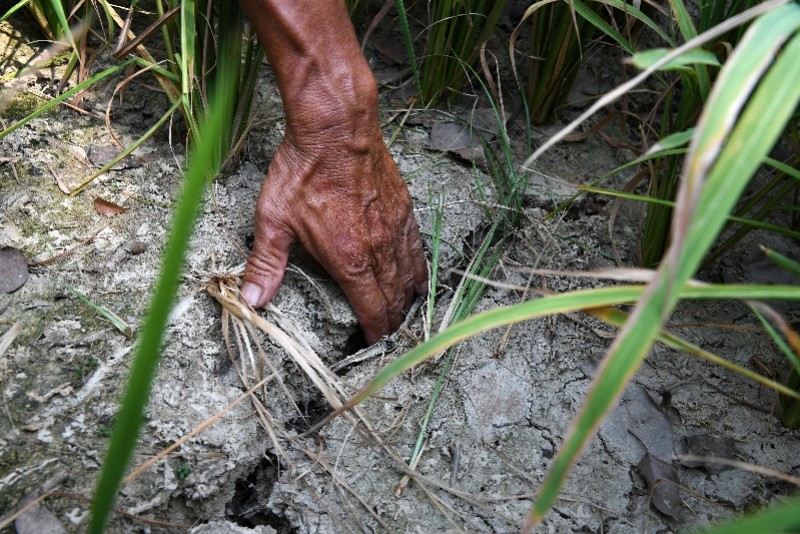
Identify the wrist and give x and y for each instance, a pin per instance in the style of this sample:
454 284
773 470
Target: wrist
338 103
324 79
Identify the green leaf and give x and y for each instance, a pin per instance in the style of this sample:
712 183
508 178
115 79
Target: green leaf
670 142
555 304
646 58
13 9
187 57
628 8
202 165
782 261
781 518
115 319
58 9
729 156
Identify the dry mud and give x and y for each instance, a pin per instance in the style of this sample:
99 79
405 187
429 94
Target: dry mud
507 401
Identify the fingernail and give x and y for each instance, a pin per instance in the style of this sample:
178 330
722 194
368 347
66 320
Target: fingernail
251 293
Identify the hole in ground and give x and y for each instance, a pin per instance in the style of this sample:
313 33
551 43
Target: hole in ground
248 507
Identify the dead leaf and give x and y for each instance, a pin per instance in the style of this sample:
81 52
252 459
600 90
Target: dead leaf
638 420
458 138
59 182
390 49
61 185
13 269
101 156
663 482
466 136
709 446
474 154
107 208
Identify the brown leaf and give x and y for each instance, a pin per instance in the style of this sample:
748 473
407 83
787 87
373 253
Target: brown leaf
662 480
59 182
465 137
13 269
390 49
61 185
106 208
711 447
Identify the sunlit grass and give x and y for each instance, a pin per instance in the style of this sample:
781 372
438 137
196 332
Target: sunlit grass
204 162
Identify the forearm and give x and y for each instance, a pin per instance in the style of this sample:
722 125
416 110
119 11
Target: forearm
326 84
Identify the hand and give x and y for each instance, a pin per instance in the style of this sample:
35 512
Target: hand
346 203
332 184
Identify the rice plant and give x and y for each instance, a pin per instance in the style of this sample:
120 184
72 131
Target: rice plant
205 162
559 34
757 90
454 34
686 89
197 37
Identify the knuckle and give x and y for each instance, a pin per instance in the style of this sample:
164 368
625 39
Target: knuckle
261 266
354 263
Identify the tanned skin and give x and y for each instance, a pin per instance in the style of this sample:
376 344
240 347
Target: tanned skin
332 185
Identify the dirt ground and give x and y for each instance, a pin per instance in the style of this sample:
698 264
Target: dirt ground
508 397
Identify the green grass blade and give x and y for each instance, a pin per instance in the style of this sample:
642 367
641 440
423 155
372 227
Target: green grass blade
617 318
642 60
767 112
782 518
698 221
629 8
128 150
488 320
739 292
794 172
670 142
599 22
187 45
400 5
782 261
748 223
555 304
14 9
112 317
203 164
436 242
777 339
688 30
58 8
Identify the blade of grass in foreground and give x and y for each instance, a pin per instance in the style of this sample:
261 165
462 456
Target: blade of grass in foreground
554 304
781 518
725 150
203 164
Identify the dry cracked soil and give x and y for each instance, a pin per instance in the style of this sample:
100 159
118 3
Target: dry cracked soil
507 399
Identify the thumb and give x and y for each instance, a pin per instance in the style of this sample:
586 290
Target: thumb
266 264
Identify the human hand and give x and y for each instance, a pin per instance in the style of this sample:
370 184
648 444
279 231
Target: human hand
332 184
345 202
